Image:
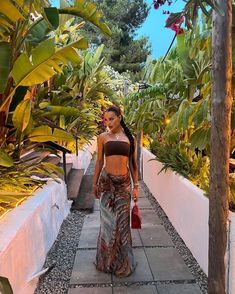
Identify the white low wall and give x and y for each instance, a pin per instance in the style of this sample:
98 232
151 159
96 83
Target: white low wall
27 233
231 260
84 157
188 210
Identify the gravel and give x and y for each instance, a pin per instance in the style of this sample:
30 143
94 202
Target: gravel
61 256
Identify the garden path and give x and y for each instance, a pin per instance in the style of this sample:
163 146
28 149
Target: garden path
160 269
165 265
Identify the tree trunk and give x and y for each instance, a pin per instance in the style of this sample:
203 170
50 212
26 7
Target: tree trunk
220 143
140 153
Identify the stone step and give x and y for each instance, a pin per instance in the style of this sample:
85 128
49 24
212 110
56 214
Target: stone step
85 199
68 169
54 159
74 183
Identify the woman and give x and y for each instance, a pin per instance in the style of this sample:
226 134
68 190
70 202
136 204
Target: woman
112 184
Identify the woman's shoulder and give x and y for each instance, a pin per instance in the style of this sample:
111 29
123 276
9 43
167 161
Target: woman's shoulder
102 136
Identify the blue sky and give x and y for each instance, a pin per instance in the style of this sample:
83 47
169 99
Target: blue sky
154 26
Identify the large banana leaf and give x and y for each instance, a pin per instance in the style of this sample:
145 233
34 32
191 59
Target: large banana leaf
87 11
45 61
52 16
37 33
8 9
21 115
36 7
200 138
45 133
5 159
5 55
62 110
40 29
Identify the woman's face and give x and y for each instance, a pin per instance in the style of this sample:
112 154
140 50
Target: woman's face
112 121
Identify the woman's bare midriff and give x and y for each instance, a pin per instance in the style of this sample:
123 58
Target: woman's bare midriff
116 165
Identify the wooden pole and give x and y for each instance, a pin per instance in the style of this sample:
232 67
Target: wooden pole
140 153
220 145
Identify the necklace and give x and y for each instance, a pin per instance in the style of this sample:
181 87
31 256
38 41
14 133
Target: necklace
117 136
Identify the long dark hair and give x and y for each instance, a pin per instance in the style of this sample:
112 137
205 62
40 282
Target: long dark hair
127 131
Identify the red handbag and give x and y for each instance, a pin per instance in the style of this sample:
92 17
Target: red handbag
135 217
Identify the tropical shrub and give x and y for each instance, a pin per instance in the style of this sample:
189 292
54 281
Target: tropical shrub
174 112
32 55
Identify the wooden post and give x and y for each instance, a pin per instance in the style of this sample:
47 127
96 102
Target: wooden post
139 143
220 145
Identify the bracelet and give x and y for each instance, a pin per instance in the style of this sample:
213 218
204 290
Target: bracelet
136 184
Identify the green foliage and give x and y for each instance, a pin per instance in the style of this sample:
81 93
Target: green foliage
22 114
36 49
88 11
17 181
5 159
232 189
183 161
191 11
174 112
123 51
5 53
45 133
46 60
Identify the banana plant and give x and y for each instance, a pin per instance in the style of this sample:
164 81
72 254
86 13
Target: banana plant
31 55
43 58
81 93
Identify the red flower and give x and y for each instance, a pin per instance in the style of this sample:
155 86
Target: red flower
155 5
175 26
158 3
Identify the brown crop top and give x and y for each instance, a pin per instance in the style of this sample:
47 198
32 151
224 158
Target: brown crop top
117 148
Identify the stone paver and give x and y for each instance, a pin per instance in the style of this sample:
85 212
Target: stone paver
149 218
167 264
88 238
85 198
101 290
142 272
135 290
144 203
155 236
92 220
136 241
178 289
141 193
157 259
84 271
96 205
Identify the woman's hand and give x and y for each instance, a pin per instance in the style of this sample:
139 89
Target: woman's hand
95 191
135 194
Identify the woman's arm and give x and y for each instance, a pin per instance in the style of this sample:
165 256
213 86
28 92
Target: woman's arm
98 165
134 174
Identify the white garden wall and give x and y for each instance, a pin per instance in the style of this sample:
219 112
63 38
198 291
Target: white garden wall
231 255
28 231
188 210
84 157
